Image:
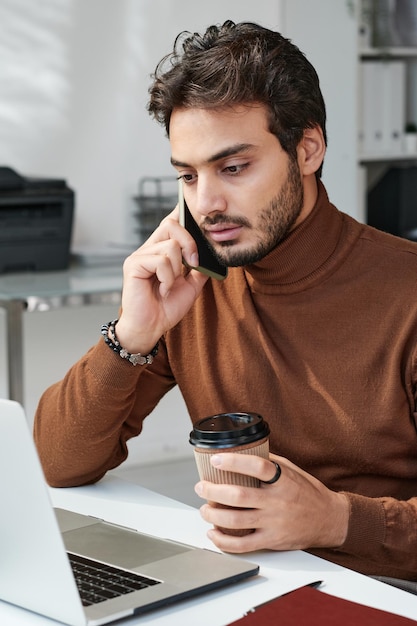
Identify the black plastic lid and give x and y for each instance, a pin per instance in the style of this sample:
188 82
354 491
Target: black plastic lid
227 430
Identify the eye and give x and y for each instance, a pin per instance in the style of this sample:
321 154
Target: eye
187 178
235 170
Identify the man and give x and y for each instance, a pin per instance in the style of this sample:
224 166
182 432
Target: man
314 328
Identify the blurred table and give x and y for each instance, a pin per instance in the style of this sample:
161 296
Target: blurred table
46 291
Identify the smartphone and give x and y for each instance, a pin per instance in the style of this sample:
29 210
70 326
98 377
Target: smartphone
208 263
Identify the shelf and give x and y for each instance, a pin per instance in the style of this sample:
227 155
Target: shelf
388 157
388 53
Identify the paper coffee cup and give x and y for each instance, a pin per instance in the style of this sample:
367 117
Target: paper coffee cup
243 433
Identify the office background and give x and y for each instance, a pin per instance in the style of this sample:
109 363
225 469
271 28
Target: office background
73 88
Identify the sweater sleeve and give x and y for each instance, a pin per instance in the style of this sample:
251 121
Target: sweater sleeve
384 530
381 539
83 422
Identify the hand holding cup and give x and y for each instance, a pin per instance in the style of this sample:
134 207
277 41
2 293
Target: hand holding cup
243 433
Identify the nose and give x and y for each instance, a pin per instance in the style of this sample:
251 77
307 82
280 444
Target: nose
209 198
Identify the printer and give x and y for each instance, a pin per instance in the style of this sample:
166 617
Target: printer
36 217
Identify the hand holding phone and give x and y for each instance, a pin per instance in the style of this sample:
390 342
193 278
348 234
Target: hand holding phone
208 263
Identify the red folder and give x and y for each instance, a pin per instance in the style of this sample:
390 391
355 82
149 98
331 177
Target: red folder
310 607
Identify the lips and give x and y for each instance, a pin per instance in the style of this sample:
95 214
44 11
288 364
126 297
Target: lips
223 232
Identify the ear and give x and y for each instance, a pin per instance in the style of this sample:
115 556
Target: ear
311 150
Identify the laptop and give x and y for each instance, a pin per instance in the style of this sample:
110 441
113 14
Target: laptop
118 572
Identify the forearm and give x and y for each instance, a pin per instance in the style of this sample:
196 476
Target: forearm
83 422
381 539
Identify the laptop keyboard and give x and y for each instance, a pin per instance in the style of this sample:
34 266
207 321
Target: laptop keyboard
98 582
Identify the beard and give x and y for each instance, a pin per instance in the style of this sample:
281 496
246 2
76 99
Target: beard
273 224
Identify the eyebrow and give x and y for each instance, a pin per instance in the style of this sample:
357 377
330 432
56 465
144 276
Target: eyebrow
230 151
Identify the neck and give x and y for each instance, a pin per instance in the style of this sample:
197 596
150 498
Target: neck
310 198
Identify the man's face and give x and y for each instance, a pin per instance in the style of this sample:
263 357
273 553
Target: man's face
242 189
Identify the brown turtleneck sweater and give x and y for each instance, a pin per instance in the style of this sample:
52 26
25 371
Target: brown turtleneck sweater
320 338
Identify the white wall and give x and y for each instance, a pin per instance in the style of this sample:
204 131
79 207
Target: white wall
74 76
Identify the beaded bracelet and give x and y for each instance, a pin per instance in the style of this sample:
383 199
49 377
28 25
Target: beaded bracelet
114 344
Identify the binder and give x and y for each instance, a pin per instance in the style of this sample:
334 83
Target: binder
393 103
310 607
382 115
372 111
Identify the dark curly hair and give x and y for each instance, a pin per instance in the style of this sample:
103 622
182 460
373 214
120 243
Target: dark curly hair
241 64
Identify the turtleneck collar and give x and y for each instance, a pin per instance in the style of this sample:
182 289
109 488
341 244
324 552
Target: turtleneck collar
304 255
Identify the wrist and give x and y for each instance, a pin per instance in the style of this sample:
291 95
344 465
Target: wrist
135 358
340 522
132 340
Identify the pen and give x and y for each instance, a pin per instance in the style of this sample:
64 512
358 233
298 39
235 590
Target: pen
314 584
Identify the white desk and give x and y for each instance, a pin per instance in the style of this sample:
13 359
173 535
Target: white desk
128 504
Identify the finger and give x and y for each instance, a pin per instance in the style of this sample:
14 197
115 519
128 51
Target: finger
170 228
148 256
160 266
230 521
235 496
285 464
229 517
229 495
248 464
162 262
235 544
276 475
